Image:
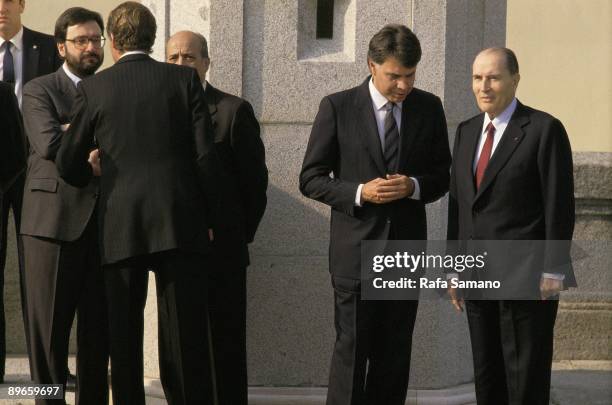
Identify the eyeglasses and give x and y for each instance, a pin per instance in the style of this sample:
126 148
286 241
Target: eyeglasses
82 42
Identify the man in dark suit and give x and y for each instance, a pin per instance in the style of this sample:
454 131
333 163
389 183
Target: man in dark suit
511 178
11 164
24 55
243 202
158 197
385 142
61 261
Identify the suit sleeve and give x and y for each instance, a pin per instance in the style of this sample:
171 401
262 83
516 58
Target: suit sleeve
207 163
435 181
250 154
322 159
77 142
556 174
12 145
452 230
41 121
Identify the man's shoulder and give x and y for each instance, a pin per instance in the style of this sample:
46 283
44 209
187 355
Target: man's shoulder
534 114
227 100
38 38
40 83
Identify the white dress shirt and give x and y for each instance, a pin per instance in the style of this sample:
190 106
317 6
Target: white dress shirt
379 104
75 79
17 51
500 123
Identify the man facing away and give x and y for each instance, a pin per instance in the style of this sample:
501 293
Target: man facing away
60 241
158 195
511 178
24 55
243 202
385 142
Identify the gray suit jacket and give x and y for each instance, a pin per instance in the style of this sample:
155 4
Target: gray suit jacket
51 207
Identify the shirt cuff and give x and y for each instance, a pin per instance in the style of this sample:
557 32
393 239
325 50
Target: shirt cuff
554 276
358 196
416 195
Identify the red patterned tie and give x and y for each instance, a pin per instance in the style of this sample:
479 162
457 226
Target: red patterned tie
485 155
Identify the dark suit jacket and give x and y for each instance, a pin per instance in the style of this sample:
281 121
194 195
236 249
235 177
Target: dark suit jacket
12 145
40 55
345 141
159 169
527 192
245 176
51 208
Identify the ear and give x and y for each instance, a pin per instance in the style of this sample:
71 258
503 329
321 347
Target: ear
21 6
61 48
517 79
371 66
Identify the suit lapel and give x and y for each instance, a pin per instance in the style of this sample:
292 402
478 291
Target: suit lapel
367 128
411 120
64 84
507 145
211 97
466 155
31 54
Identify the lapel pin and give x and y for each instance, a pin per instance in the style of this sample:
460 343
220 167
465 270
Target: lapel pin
516 138
35 46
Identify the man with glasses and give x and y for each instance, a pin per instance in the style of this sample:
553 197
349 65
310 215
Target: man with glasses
62 270
24 55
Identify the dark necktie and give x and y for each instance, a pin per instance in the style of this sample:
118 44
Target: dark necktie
8 66
391 140
485 155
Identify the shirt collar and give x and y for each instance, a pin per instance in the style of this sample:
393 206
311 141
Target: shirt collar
17 40
132 53
503 118
204 83
378 99
75 79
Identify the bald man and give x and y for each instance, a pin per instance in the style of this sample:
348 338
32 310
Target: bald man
512 179
243 202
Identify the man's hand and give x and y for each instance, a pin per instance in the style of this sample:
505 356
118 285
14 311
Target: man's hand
397 186
211 234
456 300
369 191
550 287
64 127
382 191
94 161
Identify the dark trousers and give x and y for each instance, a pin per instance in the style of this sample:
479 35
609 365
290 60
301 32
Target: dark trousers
371 359
184 361
62 278
512 346
227 317
11 200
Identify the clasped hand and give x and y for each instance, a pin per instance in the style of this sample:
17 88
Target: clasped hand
382 191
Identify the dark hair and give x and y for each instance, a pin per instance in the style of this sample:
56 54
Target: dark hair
395 41
74 16
132 27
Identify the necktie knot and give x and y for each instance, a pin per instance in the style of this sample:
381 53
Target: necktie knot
490 129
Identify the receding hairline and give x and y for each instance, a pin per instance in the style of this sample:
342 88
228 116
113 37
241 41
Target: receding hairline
199 38
503 52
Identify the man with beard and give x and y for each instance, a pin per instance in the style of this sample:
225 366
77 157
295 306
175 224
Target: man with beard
61 260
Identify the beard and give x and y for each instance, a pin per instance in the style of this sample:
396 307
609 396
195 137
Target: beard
84 65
